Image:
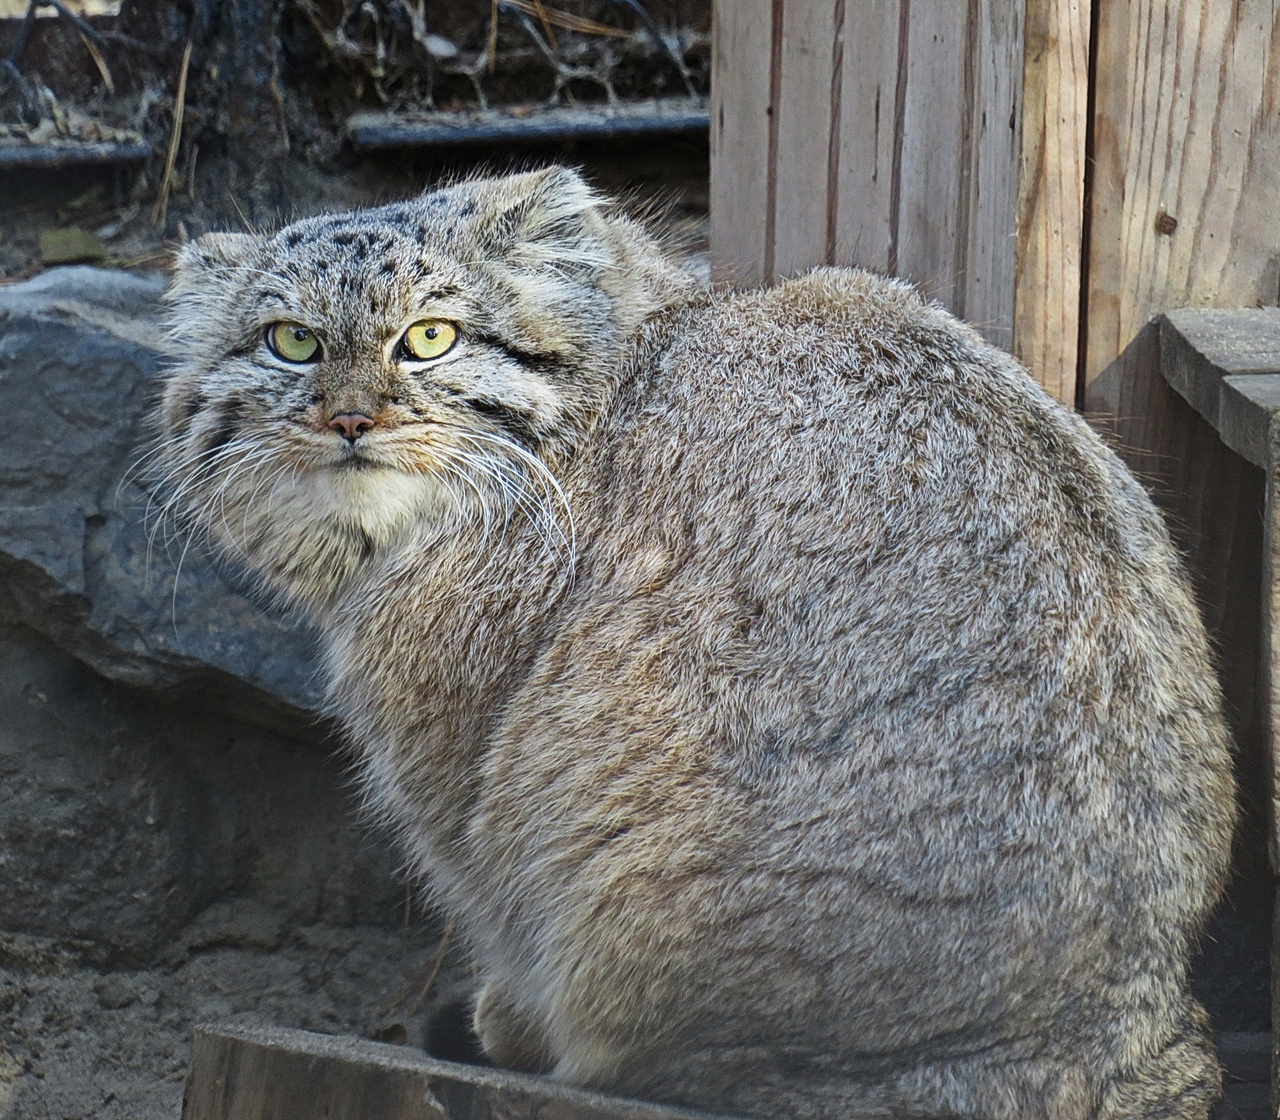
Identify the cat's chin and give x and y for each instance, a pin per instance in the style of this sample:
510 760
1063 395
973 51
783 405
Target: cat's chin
375 504
379 501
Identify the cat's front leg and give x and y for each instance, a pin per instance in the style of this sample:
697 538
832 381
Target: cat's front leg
509 1037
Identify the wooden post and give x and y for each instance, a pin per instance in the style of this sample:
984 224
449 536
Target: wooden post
897 137
1186 187
1224 494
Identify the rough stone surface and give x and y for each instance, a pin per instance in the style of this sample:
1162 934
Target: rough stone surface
84 559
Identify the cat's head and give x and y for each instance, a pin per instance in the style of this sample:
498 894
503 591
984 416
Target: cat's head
345 379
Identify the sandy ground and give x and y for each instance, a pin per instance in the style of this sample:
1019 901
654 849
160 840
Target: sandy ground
76 1043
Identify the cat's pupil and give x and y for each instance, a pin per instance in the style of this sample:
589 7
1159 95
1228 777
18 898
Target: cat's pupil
299 334
431 333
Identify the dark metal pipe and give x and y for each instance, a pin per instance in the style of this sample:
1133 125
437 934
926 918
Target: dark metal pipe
46 156
381 131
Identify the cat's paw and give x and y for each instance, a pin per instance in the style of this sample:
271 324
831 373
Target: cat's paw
510 1039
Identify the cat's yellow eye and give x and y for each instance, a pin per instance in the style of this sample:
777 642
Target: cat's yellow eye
293 342
428 339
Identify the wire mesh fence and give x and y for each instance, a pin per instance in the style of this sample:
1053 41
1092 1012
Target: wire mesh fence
489 53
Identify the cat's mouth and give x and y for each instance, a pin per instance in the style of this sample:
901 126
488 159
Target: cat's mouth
357 458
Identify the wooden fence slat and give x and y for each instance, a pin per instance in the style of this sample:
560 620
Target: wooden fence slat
986 271
740 104
934 147
1049 249
865 150
804 123
1186 186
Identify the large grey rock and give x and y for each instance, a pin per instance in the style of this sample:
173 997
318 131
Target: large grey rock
80 352
122 819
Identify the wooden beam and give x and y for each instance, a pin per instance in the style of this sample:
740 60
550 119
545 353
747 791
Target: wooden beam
268 1073
1225 364
1186 186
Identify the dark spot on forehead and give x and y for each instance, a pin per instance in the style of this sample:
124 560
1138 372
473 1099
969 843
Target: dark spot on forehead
388 267
293 239
468 208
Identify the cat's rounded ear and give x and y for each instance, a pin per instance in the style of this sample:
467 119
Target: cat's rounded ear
547 216
202 262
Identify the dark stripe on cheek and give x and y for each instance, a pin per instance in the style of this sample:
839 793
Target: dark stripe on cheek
230 414
539 363
185 410
516 422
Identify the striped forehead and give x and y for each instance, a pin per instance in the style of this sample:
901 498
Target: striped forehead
367 236
351 267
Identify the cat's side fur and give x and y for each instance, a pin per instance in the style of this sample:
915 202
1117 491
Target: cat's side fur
802 715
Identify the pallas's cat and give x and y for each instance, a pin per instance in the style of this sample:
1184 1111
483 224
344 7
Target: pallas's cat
799 712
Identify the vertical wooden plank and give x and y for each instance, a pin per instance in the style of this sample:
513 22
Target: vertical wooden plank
935 147
804 121
740 111
867 128
1186 186
1049 249
987 269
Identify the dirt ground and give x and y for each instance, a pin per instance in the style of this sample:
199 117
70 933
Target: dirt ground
77 1044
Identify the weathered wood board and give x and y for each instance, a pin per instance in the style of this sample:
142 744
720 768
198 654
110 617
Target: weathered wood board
1186 183
897 137
267 1073
1049 254
1225 364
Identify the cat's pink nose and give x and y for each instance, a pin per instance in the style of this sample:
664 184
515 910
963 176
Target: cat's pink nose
351 425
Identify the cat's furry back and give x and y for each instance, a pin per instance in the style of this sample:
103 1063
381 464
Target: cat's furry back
801 713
